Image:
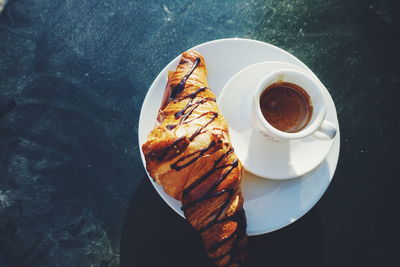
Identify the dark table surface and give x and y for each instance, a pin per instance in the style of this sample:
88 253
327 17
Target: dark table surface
73 75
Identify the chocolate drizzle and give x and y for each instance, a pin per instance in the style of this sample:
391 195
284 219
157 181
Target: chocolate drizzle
214 115
197 182
220 243
200 153
193 106
198 131
171 147
180 86
185 116
238 217
195 93
220 211
240 221
234 251
190 106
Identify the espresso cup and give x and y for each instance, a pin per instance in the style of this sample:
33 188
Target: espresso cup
316 127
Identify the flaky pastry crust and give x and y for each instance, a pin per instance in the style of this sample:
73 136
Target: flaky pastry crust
190 154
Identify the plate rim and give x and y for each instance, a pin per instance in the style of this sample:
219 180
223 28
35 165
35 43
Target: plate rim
159 188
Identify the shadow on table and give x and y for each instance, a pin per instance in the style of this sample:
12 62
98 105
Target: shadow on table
154 235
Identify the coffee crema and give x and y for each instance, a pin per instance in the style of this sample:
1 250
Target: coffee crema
286 106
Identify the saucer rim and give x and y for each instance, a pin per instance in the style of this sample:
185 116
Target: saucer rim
326 94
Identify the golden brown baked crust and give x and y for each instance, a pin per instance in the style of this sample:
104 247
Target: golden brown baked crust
189 153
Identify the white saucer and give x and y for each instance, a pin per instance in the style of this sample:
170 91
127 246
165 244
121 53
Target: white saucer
269 204
260 156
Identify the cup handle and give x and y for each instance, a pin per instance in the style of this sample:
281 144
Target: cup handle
326 131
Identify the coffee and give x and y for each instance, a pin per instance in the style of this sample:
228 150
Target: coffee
286 106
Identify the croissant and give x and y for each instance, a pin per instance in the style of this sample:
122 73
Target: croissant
189 153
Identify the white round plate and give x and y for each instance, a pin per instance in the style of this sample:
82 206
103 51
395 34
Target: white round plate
269 204
260 156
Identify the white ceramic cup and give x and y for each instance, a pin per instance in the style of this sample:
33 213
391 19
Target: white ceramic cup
317 127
